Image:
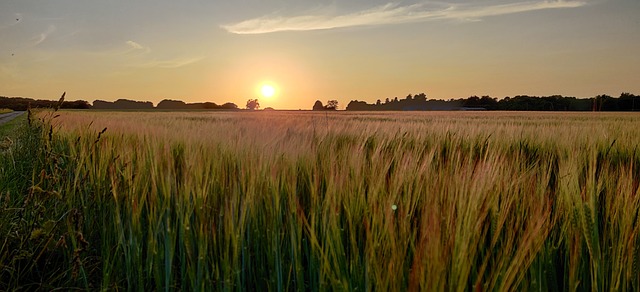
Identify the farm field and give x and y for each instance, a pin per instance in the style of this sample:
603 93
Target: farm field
431 201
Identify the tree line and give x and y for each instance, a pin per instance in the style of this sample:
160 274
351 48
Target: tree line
22 103
625 102
418 102
167 104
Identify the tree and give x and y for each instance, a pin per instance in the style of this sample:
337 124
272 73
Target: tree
318 106
472 101
331 105
253 104
420 97
378 102
229 105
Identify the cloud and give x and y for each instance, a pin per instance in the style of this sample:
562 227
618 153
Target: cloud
170 64
137 55
134 46
44 35
391 14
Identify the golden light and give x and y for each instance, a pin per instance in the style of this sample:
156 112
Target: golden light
268 90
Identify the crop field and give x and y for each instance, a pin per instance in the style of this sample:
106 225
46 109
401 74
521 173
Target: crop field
428 201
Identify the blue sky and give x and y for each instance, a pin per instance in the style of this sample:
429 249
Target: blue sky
225 50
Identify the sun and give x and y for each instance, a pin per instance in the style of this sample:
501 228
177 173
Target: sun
267 90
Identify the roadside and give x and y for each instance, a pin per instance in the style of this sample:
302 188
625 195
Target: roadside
4 118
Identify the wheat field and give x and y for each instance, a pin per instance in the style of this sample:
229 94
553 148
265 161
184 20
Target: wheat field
430 201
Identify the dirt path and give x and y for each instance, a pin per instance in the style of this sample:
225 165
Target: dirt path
9 116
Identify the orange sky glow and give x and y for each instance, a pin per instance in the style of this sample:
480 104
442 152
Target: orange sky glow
199 51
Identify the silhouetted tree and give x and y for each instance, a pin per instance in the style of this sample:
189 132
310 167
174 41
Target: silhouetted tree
229 106
253 104
356 105
386 100
420 97
78 104
122 104
628 101
378 102
210 105
332 105
488 102
318 106
607 103
171 104
472 101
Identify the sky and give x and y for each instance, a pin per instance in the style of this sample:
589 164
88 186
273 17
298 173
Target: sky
224 51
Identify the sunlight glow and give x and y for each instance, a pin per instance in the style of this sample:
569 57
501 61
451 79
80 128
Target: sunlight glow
268 90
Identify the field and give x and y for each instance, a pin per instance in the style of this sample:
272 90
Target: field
4 110
431 201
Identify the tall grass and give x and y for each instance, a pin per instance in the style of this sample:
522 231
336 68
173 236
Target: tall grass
340 201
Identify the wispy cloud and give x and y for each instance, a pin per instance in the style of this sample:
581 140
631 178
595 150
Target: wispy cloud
134 46
134 54
44 35
170 64
391 14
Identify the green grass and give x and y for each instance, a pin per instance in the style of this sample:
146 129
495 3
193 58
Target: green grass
4 110
10 128
291 201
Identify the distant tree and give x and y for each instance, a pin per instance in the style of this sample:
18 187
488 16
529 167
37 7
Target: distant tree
472 101
331 105
171 104
356 105
253 104
409 97
229 106
209 105
387 100
78 104
378 102
420 97
318 106
628 101
489 103
395 99
123 104
606 103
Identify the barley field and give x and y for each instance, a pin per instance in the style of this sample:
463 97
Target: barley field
427 201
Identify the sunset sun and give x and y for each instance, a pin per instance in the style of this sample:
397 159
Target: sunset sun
267 90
